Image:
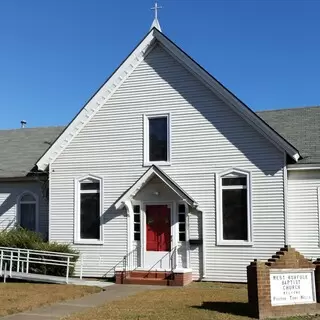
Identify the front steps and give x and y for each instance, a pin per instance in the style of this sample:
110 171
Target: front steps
161 278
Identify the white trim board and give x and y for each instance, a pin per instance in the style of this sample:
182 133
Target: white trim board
127 67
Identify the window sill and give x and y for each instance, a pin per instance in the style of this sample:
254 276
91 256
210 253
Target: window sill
234 243
157 163
88 241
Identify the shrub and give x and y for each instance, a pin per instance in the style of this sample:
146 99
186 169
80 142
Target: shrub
25 239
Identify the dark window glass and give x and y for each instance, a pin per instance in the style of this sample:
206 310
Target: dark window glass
182 217
182 208
182 237
90 216
90 186
235 218
137 227
234 181
182 227
137 236
136 218
136 209
28 216
158 139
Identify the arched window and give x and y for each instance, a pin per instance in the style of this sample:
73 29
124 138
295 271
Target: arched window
88 227
28 208
234 207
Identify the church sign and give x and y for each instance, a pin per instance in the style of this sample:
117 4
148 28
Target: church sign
287 284
292 286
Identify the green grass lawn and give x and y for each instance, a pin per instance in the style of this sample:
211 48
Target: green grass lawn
196 301
17 297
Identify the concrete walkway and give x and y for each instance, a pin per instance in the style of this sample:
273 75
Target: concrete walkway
65 308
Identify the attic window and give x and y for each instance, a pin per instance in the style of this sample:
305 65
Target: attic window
157 139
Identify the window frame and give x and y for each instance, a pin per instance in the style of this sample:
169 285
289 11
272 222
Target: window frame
36 197
219 207
185 222
146 152
77 213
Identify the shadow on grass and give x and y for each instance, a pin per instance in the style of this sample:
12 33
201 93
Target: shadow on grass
235 308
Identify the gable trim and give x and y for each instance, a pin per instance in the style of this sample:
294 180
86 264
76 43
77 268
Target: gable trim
127 67
145 178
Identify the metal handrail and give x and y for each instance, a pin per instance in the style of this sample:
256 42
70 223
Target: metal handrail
128 260
25 257
41 251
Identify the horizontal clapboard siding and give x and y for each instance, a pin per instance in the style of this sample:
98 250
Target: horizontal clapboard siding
207 138
303 212
9 194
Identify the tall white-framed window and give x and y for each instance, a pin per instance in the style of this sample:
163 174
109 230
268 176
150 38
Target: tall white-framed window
88 210
234 217
157 139
28 211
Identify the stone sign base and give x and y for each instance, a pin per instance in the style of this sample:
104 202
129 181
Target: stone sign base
283 286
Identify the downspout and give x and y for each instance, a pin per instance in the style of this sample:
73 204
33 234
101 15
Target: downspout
285 198
204 269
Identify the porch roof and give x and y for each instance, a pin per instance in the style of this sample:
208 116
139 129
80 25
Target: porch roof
145 178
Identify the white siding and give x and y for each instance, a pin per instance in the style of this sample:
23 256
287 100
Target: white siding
207 137
303 212
9 193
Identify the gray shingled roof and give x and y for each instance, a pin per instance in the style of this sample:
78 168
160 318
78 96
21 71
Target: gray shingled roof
21 148
300 127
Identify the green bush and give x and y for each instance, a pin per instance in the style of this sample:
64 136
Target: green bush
25 239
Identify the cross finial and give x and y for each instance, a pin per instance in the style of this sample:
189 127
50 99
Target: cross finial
156 8
155 23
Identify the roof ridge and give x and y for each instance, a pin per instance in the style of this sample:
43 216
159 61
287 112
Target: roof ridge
283 109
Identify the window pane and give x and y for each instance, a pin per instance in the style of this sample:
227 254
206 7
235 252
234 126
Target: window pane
158 139
235 218
27 197
182 217
234 181
90 186
90 216
182 227
136 218
137 227
182 208
28 216
137 236
136 209
182 237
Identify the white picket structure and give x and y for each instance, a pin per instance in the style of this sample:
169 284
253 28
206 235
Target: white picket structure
15 263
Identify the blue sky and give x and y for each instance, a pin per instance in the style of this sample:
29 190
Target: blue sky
56 53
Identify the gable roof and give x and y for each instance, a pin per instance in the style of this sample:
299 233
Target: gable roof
145 178
128 66
300 126
20 149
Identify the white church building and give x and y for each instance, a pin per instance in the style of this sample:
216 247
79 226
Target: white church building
165 170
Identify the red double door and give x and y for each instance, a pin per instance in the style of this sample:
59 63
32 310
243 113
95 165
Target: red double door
158 228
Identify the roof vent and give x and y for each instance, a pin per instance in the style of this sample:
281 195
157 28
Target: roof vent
23 123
